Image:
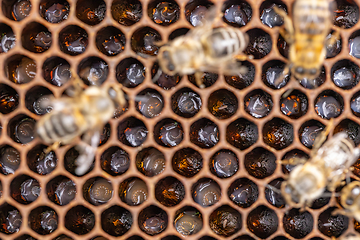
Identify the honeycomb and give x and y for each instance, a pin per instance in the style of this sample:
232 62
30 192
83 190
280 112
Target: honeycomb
178 159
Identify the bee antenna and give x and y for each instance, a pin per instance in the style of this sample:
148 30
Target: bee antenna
276 190
157 75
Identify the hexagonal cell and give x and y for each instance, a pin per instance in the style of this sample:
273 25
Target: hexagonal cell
243 192
204 133
133 191
283 46
7 38
355 104
187 162
242 133
37 100
54 11
97 190
163 13
149 103
314 83
26 237
260 163
91 12
169 191
225 221
207 79
172 237
43 220
271 73
268 16
346 14
153 220
93 71
115 161
262 221
354 41
321 201
178 32
40 162
295 105
273 193
242 81
143 42
195 11
150 162
168 133
236 13
10 219
25 189
130 72
224 163
278 133
206 192
164 81
345 74
56 71
132 132
21 129
244 237
258 103
9 99
36 38
9 159
207 238
186 103
298 224
80 220
188 221
110 41
16 10
116 220
259 43
222 104
309 131
332 225
70 159
20 69
351 128
126 12
329 104
334 49
135 237
61 190
73 40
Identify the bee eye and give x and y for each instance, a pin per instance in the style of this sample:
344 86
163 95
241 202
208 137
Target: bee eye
349 201
166 54
171 67
299 70
313 71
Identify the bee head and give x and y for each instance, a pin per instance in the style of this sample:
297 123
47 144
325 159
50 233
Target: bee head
117 95
165 60
352 194
305 73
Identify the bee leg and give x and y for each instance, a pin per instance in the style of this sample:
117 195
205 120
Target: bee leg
242 57
293 161
334 37
320 139
87 149
341 212
52 147
287 31
282 75
159 43
198 79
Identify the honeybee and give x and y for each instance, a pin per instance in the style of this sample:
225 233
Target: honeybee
350 200
326 168
85 114
204 49
306 33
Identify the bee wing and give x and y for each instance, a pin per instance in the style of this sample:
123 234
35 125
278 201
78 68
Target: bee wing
229 68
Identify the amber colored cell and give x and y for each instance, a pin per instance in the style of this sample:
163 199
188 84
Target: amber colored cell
224 164
54 11
133 191
187 162
298 224
56 71
70 161
206 192
110 41
222 104
164 12
204 133
242 81
20 69
143 42
351 128
260 163
169 191
332 225
153 220
126 12
16 10
91 12
73 40
243 192
80 220
9 99
188 221
36 38
278 133
93 71
28 237
225 221
262 221
37 100
242 133
116 220
21 129
150 162
10 219
43 220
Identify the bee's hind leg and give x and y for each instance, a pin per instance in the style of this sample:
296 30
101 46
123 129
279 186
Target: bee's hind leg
52 147
198 79
334 37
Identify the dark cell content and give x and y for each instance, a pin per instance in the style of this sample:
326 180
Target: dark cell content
273 196
91 12
165 13
126 12
10 219
99 192
259 43
242 133
204 133
206 192
70 161
115 161
133 191
222 104
39 105
225 221
30 190
295 153
80 220
110 41
298 224
40 41
321 201
49 222
186 103
327 106
243 192
130 72
9 99
271 76
171 134
152 220
260 163
21 70
59 74
354 45
346 77
335 48
224 164
116 221
283 46
143 42
188 221
150 162
332 225
150 104
242 81
65 192
93 71
169 191
238 15
41 162
197 15
9 160
258 104
187 162
55 11
355 104
346 15
352 129
24 130
135 136
73 40
21 9
278 134
295 105
262 221
7 38
314 83
208 79
270 18
309 133
165 81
